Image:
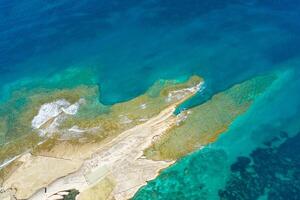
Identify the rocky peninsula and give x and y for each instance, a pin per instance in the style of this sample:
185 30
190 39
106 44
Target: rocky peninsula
109 153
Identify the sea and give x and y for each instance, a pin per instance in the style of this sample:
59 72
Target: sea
127 45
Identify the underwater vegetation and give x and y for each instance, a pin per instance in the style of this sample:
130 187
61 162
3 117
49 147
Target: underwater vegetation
206 121
271 171
98 122
18 112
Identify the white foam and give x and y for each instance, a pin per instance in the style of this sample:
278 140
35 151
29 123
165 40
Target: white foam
72 109
6 162
56 111
48 111
143 106
179 94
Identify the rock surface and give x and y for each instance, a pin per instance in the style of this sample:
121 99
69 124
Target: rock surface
37 172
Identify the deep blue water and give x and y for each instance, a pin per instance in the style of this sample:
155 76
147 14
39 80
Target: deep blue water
129 44
220 40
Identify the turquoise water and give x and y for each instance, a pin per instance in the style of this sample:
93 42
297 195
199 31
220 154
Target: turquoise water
203 174
125 46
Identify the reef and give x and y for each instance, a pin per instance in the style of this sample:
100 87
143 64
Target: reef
61 128
116 148
204 123
21 131
271 172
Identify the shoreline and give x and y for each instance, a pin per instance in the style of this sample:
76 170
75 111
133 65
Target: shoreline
119 166
119 160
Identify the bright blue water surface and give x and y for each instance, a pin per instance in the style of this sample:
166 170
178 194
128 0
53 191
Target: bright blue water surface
129 44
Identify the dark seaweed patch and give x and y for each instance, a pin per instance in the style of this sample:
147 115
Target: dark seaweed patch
274 172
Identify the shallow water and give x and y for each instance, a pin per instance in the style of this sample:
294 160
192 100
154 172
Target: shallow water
208 173
125 46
